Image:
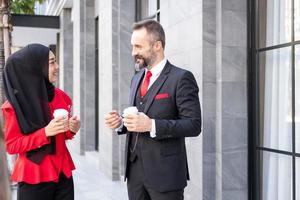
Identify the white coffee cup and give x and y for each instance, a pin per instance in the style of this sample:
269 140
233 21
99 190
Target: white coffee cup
130 110
60 113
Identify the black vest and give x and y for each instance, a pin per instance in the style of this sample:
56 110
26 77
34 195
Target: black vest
134 144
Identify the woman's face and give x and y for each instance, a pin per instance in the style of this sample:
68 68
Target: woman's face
53 68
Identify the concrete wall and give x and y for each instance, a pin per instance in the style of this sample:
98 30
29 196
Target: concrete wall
115 72
182 21
225 100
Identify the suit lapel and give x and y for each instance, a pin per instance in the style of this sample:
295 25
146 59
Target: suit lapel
135 85
153 90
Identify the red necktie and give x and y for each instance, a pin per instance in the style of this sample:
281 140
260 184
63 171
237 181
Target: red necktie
146 82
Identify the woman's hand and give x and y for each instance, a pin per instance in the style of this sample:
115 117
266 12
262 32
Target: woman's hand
74 124
57 125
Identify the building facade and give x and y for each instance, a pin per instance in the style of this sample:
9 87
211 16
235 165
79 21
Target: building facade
207 37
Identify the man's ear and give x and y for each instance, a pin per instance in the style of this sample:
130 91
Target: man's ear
158 45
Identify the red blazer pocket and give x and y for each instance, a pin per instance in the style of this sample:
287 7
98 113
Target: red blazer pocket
162 96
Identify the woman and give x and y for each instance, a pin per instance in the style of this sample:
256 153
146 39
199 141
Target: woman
44 166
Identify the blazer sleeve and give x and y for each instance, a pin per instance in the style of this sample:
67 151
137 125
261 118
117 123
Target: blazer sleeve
122 130
15 141
188 122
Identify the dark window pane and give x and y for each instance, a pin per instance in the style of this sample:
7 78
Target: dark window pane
275 99
274 22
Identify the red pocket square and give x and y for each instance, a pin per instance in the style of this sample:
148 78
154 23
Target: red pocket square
162 96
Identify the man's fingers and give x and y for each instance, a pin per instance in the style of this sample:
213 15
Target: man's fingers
115 124
113 112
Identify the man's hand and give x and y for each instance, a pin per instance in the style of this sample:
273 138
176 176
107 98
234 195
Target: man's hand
113 120
74 124
138 123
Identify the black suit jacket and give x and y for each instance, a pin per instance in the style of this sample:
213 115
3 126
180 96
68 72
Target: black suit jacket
174 104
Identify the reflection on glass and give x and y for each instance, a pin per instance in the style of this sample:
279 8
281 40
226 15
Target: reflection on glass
275 99
148 9
297 178
297 97
297 19
276 176
152 7
144 9
274 22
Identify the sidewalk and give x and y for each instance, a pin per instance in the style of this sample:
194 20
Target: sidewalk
91 184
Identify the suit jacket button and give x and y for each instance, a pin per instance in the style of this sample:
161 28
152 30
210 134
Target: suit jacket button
141 103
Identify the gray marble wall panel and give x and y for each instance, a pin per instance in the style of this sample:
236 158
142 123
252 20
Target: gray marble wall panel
225 100
84 72
89 74
115 83
234 95
126 65
209 100
66 58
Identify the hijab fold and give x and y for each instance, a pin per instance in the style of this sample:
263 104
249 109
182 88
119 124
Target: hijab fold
27 88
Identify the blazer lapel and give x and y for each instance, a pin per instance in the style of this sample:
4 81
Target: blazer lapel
135 85
157 85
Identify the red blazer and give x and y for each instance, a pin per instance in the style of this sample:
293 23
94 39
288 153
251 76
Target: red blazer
17 143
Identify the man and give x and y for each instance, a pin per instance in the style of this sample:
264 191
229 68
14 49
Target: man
169 110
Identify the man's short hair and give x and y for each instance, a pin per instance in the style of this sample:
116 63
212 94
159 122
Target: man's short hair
153 28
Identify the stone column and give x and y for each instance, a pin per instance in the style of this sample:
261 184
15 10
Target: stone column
83 74
225 131
115 72
66 52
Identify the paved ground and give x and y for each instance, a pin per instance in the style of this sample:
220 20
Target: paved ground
91 184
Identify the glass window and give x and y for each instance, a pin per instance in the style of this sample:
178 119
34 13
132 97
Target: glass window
149 9
275 99
152 7
278 95
274 22
297 19
276 176
297 178
297 97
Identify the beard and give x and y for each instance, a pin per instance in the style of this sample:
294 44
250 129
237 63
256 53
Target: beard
142 62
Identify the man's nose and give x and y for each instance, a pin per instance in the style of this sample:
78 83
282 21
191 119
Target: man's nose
133 52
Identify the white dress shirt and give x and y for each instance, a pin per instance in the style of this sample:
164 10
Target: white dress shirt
155 71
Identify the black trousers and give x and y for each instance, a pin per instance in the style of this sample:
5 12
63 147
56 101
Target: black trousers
138 188
62 190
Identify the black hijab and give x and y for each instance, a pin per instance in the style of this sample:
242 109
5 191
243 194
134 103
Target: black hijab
27 88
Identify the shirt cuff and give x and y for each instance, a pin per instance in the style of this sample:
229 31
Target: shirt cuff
153 129
120 127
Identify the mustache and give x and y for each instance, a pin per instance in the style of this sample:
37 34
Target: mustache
138 57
